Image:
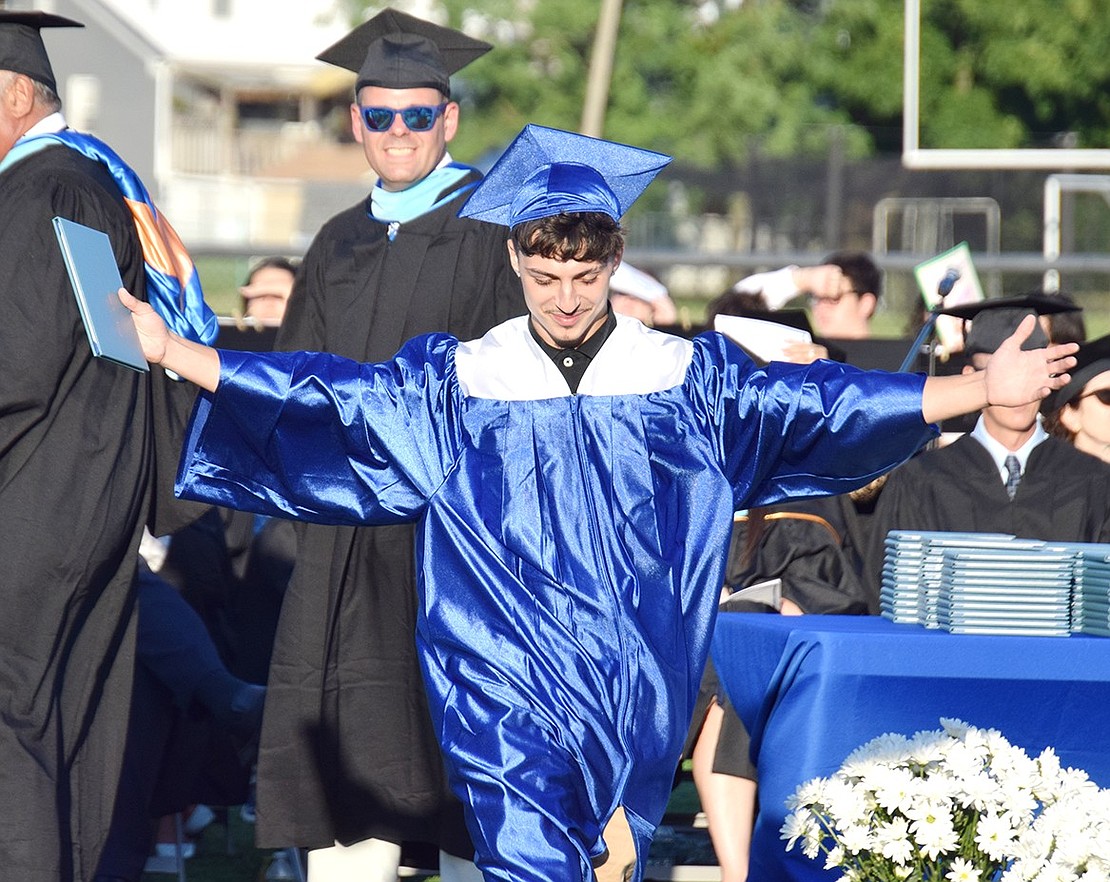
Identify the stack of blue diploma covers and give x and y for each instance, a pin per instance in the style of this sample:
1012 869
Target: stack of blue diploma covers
1091 598
990 583
999 590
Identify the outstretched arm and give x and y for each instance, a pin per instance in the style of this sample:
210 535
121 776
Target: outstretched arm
1013 377
193 361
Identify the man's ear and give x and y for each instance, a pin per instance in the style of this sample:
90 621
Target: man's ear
19 98
356 123
450 120
870 302
514 259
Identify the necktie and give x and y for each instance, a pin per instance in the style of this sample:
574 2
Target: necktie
1013 475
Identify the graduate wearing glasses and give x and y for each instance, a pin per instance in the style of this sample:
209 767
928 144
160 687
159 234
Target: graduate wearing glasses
348 754
573 475
1008 474
1080 412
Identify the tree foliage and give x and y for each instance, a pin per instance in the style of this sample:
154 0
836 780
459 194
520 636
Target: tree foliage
712 80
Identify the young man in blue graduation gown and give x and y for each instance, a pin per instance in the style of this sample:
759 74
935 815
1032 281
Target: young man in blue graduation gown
573 476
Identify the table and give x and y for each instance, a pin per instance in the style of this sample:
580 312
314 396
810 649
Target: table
811 689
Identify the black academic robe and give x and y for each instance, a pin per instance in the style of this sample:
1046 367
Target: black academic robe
801 543
348 751
1064 495
77 471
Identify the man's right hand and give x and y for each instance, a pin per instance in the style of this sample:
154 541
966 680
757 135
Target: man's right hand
154 336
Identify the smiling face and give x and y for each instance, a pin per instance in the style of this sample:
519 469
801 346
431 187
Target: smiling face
568 300
399 156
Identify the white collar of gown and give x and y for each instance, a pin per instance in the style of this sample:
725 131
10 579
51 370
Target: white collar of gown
507 364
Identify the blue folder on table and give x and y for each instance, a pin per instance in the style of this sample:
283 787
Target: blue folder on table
95 277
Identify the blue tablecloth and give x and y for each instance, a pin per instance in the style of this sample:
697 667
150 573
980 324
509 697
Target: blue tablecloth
811 689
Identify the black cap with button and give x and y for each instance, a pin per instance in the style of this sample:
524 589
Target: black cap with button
399 51
21 46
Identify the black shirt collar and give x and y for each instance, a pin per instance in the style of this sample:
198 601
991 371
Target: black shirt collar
572 362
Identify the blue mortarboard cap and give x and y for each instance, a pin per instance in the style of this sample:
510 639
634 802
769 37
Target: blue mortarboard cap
545 172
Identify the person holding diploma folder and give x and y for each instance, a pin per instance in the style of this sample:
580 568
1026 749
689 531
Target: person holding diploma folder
572 523
78 469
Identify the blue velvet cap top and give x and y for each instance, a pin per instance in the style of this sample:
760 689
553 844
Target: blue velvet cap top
545 172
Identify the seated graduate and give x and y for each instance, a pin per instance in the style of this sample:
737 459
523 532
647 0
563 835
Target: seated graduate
1007 475
574 476
1080 412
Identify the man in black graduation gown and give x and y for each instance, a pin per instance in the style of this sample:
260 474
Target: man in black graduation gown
77 474
1007 475
348 753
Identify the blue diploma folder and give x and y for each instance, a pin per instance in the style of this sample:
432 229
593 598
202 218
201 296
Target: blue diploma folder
95 277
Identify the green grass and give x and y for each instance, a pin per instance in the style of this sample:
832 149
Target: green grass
214 863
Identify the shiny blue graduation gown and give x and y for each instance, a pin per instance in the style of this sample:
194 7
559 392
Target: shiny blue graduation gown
570 547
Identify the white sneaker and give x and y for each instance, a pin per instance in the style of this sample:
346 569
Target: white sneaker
169 850
199 818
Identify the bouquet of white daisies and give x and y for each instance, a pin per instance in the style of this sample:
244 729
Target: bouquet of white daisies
953 805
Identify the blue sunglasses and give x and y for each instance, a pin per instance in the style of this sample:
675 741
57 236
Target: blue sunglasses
418 119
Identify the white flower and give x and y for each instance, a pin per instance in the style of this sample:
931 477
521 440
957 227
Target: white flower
963 871
889 748
892 840
953 727
1055 872
797 825
966 761
960 804
994 835
845 803
809 793
933 829
856 838
979 792
811 842
894 789
927 748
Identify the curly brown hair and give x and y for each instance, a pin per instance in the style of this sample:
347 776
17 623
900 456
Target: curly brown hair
587 236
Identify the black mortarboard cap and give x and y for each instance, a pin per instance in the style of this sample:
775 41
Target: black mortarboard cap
21 46
399 51
992 321
1092 359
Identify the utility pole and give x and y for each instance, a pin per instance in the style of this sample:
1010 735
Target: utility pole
601 69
